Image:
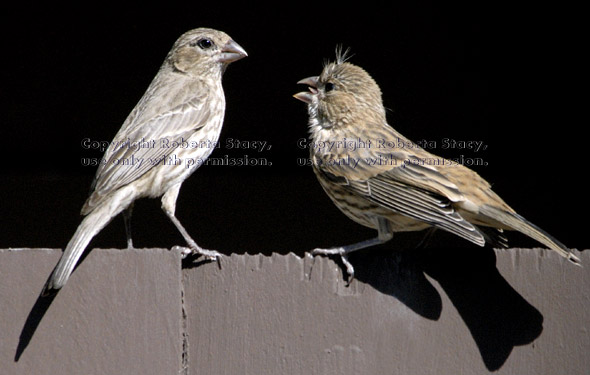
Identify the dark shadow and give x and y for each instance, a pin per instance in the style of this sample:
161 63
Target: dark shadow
35 316
497 316
37 313
194 261
398 275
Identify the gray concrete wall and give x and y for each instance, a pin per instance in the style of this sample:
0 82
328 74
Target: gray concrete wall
145 311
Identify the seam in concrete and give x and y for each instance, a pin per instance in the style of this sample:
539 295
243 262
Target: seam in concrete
183 326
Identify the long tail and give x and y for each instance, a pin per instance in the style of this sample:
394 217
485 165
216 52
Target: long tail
88 228
516 222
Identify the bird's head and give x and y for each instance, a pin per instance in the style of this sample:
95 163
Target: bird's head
204 50
341 95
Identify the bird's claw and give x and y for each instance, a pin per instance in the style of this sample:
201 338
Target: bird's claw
349 268
209 255
343 256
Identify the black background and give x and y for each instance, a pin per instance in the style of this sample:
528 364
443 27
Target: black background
506 74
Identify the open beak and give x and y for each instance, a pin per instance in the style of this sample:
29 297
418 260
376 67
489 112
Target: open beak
305 96
231 52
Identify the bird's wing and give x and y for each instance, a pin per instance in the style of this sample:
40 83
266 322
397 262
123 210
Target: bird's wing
413 189
162 134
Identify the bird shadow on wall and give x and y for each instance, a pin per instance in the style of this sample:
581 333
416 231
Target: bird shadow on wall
497 316
34 318
36 315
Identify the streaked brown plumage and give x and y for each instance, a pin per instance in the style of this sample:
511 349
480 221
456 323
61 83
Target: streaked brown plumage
355 157
184 103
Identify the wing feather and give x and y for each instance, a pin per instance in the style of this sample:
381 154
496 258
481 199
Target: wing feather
413 189
163 132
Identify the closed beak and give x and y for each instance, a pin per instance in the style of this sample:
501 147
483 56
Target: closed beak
231 52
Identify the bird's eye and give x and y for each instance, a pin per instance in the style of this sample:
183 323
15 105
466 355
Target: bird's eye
205 43
329 87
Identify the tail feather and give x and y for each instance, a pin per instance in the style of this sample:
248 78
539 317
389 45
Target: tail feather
494 236
88 228
516 222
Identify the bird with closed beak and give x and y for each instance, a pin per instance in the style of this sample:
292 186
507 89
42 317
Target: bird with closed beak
183 106
355 156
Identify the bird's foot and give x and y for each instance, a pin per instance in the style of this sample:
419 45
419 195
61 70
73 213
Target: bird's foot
209 255
343 256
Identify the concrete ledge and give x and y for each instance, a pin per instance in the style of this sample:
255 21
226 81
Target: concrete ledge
144 311
120 314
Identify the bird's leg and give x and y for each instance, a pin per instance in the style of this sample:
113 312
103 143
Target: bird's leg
127 220
169 206
384 234
193 247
